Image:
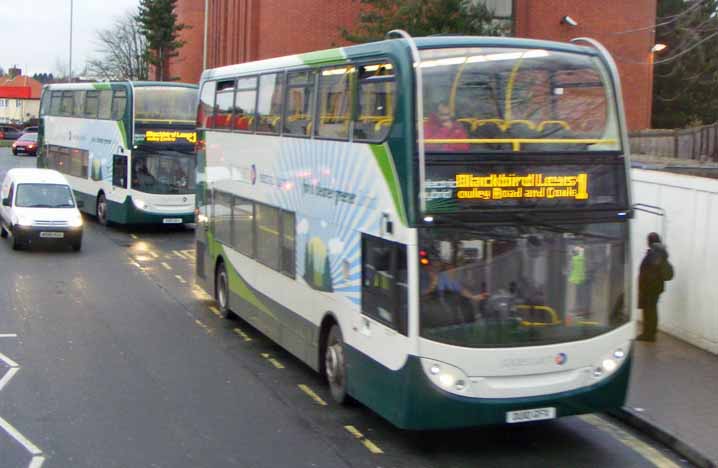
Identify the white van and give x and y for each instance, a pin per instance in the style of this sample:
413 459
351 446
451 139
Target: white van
38 206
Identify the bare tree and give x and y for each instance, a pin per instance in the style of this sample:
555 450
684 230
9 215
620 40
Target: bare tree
122 51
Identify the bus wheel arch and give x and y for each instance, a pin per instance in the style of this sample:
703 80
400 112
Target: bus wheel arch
221 288
332 362
101 208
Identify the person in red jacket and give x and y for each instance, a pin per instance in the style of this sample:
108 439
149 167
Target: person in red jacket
441 125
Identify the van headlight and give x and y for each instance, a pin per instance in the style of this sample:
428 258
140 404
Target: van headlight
24 221
76 221
445 376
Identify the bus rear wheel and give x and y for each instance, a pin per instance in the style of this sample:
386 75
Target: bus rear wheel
335 365
221 290
102 209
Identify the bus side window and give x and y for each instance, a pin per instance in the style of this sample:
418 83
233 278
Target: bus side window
206 105
334 102
79 109
105 105
56 103
119 104
269 103
375 102
92 103
223 104
384 282
299 107
244 103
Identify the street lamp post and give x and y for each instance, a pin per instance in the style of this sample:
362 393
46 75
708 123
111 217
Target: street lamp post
69 74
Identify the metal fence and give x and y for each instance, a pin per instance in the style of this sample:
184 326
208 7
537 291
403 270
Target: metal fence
697 143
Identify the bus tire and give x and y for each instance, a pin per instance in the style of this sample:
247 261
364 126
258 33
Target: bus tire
101 209
335 365
221 290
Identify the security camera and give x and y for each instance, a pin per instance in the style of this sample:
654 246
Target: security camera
570 21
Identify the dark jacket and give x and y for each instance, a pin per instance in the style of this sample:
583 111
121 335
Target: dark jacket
651 282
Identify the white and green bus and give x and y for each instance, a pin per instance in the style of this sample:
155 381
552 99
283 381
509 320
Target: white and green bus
127 148
439 226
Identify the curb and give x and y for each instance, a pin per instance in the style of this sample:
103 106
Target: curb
637 421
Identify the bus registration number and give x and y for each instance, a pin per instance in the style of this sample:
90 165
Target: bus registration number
172 220
536 414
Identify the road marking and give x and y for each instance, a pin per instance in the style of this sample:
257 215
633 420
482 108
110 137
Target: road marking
645 450
134 236
8 376
371 446
205 327
8 361
189 253
274 362
154 254
8 335
15 434
312 395
180 255
244 336
200 293
180 279
215 311
36 462
167 267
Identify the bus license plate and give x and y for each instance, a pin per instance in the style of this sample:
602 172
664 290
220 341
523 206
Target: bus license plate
536 414
172 220
52 235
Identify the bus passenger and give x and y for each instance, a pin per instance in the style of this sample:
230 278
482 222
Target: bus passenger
441 125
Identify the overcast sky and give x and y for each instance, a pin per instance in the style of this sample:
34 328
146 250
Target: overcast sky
35 34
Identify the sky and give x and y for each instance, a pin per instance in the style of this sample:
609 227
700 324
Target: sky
35 34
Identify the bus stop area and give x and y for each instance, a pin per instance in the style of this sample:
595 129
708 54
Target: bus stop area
672 397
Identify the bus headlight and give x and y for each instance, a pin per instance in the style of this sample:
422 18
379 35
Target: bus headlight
139 203
610 363
445 376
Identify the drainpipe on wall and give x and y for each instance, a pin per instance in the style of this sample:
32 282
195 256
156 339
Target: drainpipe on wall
206 21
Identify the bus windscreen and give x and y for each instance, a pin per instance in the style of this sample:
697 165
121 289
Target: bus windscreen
165 104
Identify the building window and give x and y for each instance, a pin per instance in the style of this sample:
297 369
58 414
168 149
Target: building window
376 95
299 108
269 103
335 102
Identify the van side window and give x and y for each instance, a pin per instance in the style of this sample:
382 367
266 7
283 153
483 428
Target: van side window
11 193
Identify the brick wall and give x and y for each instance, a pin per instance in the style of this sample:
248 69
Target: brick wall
188 65
601 21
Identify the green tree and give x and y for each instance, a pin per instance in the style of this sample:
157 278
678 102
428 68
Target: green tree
685 91
424 18
158 23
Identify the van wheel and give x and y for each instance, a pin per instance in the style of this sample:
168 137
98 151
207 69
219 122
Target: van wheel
3 232
102 209
16 245
77 246
221 290
335 365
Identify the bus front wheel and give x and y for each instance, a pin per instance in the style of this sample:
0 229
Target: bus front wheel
102 209
335 365
221 290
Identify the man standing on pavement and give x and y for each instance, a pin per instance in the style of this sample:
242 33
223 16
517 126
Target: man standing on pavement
654 272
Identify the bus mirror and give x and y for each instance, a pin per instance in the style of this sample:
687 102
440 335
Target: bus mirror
5 202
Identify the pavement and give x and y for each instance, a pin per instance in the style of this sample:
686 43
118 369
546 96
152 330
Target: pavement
672 398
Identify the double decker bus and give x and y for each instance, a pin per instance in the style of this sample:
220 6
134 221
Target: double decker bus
127 148
437 225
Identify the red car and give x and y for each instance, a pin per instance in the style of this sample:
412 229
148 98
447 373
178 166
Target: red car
27 143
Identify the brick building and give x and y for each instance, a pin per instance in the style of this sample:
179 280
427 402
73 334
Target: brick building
19 97
245 30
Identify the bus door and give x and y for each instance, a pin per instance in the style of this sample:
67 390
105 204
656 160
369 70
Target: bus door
119 177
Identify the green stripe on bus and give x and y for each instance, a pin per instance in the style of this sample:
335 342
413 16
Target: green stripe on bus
238 285
102 86
324 57
386 164
123 131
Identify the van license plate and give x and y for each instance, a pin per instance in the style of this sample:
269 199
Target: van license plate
172 220
52 235
536 414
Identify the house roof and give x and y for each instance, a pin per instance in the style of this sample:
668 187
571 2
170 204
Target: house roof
20 87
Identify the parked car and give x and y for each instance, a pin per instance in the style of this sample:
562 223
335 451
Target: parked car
31 129
26 144
38 206
8 132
